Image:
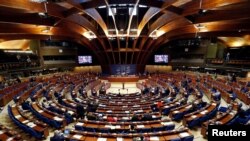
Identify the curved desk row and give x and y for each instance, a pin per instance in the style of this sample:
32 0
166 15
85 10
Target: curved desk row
221 118
122 78
200 116
177 135
27 125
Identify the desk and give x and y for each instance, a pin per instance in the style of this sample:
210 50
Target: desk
26 122
153 136
199 114
223 118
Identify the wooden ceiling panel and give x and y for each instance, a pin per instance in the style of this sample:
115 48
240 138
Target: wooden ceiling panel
68 20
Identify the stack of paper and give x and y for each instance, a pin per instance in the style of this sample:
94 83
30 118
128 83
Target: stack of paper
117 126
25 121
183 135
154 139
57 119
101 139
31 124
10 139
119 139
140 126
77 136
193 116
18 116
79 124
40 111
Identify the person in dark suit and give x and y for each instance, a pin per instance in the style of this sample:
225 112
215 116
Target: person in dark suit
147 116
80 112
134 117
91 116
132 129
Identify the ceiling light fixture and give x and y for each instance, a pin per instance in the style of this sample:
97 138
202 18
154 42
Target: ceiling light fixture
38 1
103 6
89 34
46 30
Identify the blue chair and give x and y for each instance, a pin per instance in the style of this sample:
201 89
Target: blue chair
157 129
204 118
223 109
81 128
189 138
193 123
177 139
34 133
166 111
178 116
104 130
170 127
233 121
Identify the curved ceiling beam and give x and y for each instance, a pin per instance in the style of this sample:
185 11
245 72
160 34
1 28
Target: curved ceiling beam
148 15
212 27
116 31
151 12
193 7
92 12
32 29
204 34
25 18
33 36
95 15
206 5
97 3
82 22
128 30
162 20
142 43
142 52
220 15
177 23
233 26
131 17
25 30
99 56
52 9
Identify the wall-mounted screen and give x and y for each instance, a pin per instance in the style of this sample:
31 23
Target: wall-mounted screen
84 59
161 59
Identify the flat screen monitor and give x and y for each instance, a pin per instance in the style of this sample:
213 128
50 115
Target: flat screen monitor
84 59
161 59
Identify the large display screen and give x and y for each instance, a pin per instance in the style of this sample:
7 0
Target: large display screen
84 59
161 59
123 69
